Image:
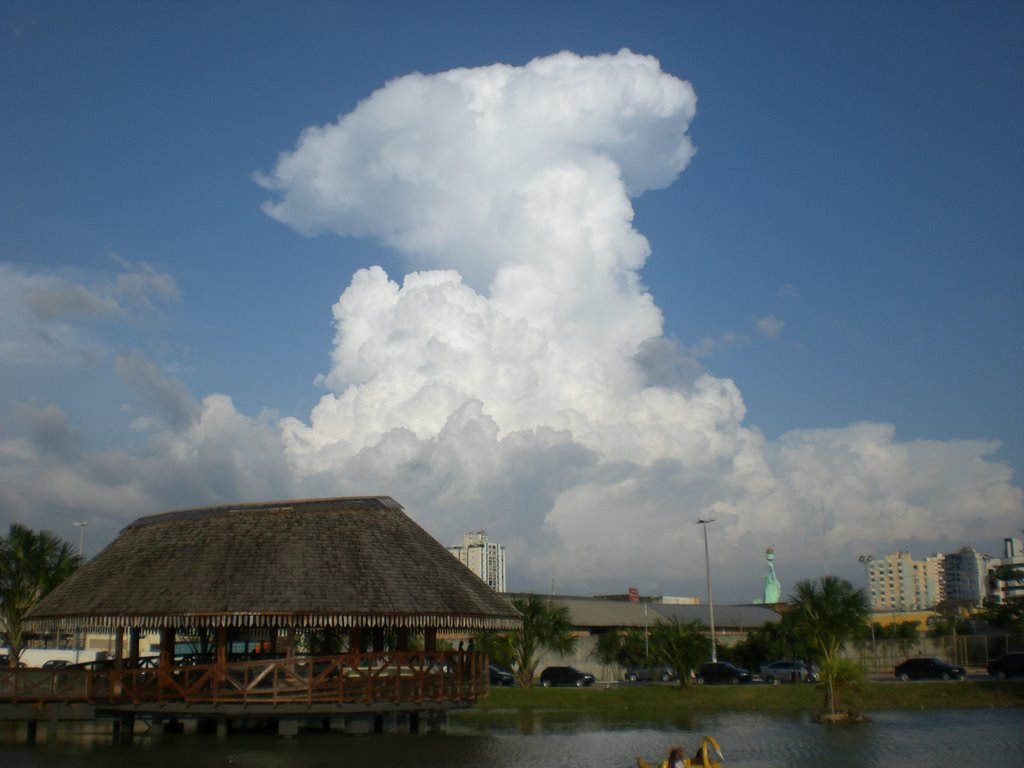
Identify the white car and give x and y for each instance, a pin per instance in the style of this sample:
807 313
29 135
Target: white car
786 671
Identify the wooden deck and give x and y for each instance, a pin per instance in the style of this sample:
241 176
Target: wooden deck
371 680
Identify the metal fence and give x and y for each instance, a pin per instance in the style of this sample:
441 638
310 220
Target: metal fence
966 650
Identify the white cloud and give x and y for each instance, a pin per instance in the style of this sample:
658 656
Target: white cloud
770 327
540 399
520 381
53 319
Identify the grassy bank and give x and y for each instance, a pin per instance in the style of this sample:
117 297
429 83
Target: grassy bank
658 700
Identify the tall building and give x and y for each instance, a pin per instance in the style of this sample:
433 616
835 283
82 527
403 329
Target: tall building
897 582
484 558
966 575
1003 572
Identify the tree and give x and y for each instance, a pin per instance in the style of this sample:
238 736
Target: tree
31 566
546 627
776 640
681 644
623 648
826 613
1008 616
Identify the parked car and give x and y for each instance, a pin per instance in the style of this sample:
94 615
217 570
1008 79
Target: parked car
648 672
929 667
565 676
784 671
1008 665
500 677
55 664
722 672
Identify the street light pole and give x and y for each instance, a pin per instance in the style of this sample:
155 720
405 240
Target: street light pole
80 634
81 538
707 573
866 560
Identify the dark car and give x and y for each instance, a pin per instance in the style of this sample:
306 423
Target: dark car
1008 665
929 666
645 673
784 671
565 676
55 664
501 677
721 672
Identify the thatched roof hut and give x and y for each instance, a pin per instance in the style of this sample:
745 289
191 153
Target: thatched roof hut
346 562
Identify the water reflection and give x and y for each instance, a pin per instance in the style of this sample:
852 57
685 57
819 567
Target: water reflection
992 738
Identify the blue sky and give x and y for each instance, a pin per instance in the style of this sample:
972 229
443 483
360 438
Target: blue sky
844 246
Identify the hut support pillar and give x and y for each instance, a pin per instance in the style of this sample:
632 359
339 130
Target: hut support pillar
124 729
221 642
290 651
430 639
166 647
403 639
378 639
133 646
119 647
437 721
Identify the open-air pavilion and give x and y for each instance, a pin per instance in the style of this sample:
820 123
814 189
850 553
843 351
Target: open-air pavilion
324 610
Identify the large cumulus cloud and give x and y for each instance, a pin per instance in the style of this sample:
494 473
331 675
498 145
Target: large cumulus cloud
517 379
510 383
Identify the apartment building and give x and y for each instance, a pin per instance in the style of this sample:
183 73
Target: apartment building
897 582
484 558
966 577
1003 582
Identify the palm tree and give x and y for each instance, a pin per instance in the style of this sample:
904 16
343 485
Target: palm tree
681 644
546 627
826 614
623 648
31 565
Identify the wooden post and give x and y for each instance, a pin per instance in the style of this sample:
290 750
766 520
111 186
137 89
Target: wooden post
133 646
430 639
221 642
119 647
403 639
166 647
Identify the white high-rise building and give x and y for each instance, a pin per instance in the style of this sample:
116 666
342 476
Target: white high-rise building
484 558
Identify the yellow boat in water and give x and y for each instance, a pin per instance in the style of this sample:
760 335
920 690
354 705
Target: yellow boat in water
708 756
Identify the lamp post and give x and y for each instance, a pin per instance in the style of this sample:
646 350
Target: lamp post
707 573
866 561
80 634
81 538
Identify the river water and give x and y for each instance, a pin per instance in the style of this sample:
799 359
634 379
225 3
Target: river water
969 738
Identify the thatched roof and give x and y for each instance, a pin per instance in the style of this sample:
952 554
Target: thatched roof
314 563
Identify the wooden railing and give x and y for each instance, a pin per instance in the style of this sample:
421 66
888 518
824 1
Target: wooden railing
366 678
